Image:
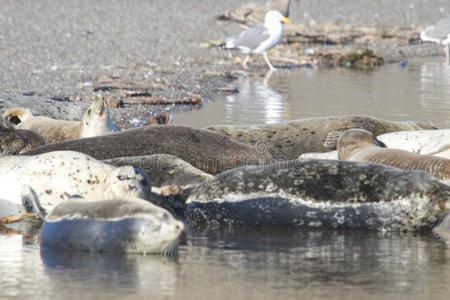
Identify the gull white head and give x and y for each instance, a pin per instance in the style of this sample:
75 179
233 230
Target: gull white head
275 17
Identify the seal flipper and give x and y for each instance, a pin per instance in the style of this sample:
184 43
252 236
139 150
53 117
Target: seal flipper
379 143
330 141
17 115
31 203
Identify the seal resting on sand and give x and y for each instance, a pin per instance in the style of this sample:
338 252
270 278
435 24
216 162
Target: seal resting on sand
14 141
361 145
208 151
430 142
56 176
95 121
290 139
320 194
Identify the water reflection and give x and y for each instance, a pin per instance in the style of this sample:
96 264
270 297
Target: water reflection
112 274
255 99
320 263
420 90
245 263
435 86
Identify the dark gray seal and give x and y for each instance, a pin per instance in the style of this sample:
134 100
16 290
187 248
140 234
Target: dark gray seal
208 151
320 194
291 139
16 141
164 169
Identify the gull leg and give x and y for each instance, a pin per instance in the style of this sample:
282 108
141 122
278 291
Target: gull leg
268 62
267 77
244 63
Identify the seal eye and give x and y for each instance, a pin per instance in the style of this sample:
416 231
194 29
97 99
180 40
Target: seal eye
122 177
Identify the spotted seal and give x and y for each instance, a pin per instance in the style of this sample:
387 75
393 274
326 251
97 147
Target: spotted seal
320 194
208 151
95 121
290 139
430 142
14 141
122 225
55 176
361 145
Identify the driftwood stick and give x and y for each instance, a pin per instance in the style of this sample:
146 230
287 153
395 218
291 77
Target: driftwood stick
18 218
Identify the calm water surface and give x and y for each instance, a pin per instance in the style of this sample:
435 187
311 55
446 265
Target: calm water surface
421 90
240 264
256 263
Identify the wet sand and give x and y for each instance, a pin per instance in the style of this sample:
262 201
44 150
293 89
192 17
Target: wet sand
59 50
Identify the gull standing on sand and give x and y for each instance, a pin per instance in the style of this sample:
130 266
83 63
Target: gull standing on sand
259 39
438 33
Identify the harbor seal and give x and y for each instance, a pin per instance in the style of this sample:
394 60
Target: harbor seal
430 142
95 121
165 170
9 161
55 176
116 225
14 141
361 145
320 194
208 151
290 139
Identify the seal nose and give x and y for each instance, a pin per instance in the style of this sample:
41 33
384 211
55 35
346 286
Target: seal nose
179 226
132 187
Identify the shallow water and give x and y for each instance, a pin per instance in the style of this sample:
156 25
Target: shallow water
240 264
419 91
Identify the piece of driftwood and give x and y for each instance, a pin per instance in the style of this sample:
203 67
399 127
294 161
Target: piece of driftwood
18 218
127 89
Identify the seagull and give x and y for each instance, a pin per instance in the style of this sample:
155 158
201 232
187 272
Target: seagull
259 39
438 33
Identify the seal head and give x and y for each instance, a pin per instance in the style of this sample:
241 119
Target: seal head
353 139
97 119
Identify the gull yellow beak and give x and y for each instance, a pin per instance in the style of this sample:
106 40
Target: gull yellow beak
286 21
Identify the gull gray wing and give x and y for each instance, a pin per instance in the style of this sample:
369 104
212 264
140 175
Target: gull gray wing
250 38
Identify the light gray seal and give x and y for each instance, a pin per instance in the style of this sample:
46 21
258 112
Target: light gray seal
290 139
208 151
118 225
320 194
361 145
56 176
95 121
